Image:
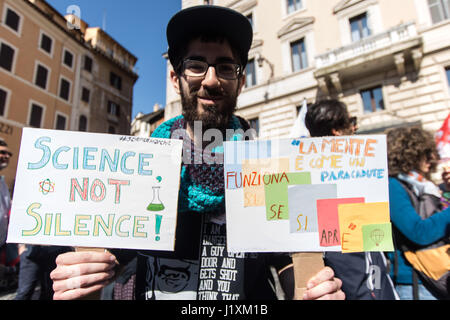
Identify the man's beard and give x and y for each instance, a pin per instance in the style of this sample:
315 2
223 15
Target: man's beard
212 117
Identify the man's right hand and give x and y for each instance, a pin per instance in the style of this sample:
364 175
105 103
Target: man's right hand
79 274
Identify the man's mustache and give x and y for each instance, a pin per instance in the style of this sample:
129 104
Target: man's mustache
209 94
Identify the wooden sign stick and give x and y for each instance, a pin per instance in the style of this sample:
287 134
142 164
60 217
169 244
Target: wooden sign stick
97 294
306 265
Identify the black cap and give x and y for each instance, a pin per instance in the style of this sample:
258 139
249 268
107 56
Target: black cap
208 20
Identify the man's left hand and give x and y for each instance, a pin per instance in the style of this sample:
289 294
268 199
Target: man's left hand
324 286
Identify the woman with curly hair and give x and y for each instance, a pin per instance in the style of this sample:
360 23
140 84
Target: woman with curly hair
412 158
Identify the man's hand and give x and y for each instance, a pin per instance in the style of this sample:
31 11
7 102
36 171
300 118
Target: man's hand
78 274
324 286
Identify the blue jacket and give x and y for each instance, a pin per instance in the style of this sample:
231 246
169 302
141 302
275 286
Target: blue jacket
408 222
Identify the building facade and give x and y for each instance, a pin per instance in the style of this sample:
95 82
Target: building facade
143 125
389 61
57 73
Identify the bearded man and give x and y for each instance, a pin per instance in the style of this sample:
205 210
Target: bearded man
208 49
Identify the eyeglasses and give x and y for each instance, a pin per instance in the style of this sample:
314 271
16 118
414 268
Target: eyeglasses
353 121
224 70
4 153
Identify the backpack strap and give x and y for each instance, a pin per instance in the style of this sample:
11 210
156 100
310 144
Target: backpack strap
415 286
395 262
412 195
415 279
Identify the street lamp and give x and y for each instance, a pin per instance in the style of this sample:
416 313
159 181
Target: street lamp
261 61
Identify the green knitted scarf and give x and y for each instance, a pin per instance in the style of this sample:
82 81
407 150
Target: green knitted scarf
202 185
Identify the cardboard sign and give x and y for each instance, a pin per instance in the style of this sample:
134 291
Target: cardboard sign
308 195
95 190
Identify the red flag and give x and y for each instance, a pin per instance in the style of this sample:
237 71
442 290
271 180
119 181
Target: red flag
442 137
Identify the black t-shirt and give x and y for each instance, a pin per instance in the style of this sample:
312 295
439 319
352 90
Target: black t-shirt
200 268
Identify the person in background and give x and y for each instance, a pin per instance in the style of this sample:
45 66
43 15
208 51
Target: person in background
5 197
412 158
36 263
354 124
331 118
9 254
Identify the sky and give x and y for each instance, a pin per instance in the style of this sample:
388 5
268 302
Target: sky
139 26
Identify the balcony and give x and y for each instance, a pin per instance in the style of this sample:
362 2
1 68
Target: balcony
386 50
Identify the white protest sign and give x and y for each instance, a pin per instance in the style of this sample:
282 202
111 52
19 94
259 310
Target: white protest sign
95 190
307 195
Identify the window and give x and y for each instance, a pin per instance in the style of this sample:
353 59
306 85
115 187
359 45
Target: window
294 5
85 95
46 43
111 129
359 27
113 109
3 96
447 72
298 55
60 122
254 124
12 20
36 116
82 124
68 58
250 72
372 99
6 56
64 89
439 10
41 77
115 81
87 64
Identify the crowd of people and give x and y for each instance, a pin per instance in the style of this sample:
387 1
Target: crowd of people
208 48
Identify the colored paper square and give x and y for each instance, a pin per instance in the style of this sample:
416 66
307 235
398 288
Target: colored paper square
233 177
253 173
299 178
377 237
328 220
353 216
277 205
276 193
258 149
303 205
238 151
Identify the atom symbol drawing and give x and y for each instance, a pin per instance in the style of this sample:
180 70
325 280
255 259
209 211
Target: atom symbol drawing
46 186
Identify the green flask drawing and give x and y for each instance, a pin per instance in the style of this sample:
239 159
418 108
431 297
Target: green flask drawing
156 204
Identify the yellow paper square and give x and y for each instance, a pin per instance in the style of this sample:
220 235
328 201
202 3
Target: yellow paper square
253 171
353 216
